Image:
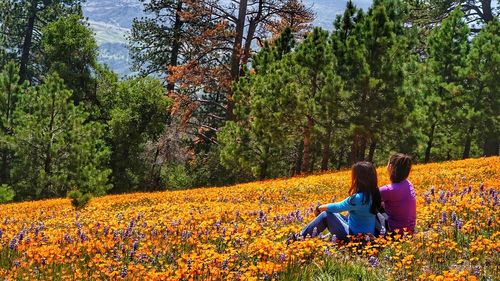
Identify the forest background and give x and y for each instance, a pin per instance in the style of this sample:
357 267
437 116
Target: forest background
236 91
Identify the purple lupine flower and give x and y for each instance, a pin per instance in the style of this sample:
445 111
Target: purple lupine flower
67 238
237 214
217 224
17 263
135 245
249 231
334 238
189 263
224 264
427 200
443 217
186 234
432 191
106 230
13 244
374 261
441 196
327 252
123 273
490 221
5 221
315 232
262 216
453 216
459 224
1 233
44 261
131 254
477 270
110 268
282 257
20 235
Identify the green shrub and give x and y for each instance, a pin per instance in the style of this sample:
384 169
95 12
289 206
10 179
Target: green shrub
176 177
78 199
6 193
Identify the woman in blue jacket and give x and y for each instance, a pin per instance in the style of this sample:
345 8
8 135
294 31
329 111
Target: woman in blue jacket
362 204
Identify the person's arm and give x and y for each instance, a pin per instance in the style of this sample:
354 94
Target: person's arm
338 207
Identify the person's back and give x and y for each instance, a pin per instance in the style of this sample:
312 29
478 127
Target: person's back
399 197
400 205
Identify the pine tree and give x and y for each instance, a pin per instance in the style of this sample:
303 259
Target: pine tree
261 134
69 48
22 22
10 92
447 50
56 148
318 92
482 95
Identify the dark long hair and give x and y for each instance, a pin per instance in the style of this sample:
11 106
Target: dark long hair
364 180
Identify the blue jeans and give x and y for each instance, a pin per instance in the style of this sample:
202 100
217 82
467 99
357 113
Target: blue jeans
336 224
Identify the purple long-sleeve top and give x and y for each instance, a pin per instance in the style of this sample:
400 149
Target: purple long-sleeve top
400 204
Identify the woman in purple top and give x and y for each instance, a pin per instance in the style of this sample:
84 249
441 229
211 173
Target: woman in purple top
399 198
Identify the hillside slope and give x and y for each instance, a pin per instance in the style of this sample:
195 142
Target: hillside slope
240 231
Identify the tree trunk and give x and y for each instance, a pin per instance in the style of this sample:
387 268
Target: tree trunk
468 141
27 43
313 159
371 153
307 145
341 156
358 148
236 55
429 143
326 150
263 170
176 44
491 146
487 11
298 161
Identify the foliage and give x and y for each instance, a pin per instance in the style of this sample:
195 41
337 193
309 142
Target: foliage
70 50
22 23
10 92
137 114
79 200
6 193
56 147
240 232
447 48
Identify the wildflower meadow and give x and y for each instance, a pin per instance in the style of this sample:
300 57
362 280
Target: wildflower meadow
241 233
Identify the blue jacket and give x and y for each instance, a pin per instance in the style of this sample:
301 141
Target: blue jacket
360 220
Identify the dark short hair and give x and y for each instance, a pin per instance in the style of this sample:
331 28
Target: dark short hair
401 166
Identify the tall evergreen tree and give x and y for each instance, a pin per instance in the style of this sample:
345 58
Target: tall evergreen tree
447 50
318 93
260 136
481 101
56 148
69 49
10 92
22 22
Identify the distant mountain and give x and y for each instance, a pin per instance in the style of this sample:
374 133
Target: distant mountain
111 21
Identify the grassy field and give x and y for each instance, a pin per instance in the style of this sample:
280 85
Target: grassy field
240 233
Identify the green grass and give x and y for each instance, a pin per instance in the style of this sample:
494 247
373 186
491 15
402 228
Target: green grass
333 269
